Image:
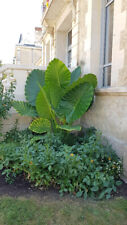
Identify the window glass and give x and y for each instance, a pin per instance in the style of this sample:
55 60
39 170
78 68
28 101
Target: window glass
69 59
69 49
109 34
69 38
18 56
107 76
108 38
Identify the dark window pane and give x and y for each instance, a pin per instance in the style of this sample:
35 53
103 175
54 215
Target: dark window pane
107 1
109 34
70 38
69 49
69 58
107 76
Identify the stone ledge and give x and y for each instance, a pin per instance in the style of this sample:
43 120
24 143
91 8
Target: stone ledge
111 91
11 67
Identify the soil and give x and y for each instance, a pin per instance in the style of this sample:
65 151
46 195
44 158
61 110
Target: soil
21 187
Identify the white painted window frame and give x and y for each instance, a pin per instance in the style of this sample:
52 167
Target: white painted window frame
69 48
18 55
105 4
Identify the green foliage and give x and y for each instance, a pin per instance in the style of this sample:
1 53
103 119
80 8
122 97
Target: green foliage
89 79
6 98
24 108
75 74
69 128
84 167
75 102
32 88
40 125
59 96
57 78
33 83
14 135
43 105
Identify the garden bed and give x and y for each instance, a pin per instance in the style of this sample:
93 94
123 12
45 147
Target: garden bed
21 187
79 165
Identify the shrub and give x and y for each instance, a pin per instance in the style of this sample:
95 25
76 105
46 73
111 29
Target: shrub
15 135
87 168
6 97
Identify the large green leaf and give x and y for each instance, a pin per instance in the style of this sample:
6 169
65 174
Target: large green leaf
76 101
43 105
82 80
40 126
91 78
57 78
69 127
75 74
24 109
35 78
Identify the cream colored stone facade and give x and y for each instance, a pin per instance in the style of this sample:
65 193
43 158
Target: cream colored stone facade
27 55
84 17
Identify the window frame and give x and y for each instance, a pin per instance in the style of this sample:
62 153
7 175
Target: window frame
18 56
105 5
69 49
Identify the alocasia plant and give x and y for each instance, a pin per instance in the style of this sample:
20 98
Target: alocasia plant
56 97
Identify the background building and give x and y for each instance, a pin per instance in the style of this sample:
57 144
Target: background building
27 52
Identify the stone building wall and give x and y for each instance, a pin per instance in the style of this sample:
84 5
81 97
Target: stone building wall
84 17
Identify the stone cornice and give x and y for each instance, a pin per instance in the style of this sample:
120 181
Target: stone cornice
11 67
112 91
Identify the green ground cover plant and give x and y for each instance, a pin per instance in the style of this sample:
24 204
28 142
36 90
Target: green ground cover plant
35 211
80 165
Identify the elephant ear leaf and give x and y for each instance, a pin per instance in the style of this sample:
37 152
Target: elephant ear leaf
69 127
76 101
35 78
43 105
57 78
24 109
75 74
91 78
40 126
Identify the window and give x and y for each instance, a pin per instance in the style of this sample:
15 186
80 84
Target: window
18 56
69 49
108 37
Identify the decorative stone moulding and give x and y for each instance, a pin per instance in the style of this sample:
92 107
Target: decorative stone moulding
112 91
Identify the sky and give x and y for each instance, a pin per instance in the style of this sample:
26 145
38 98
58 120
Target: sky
16 17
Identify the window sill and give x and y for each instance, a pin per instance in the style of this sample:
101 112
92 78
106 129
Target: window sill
111 91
